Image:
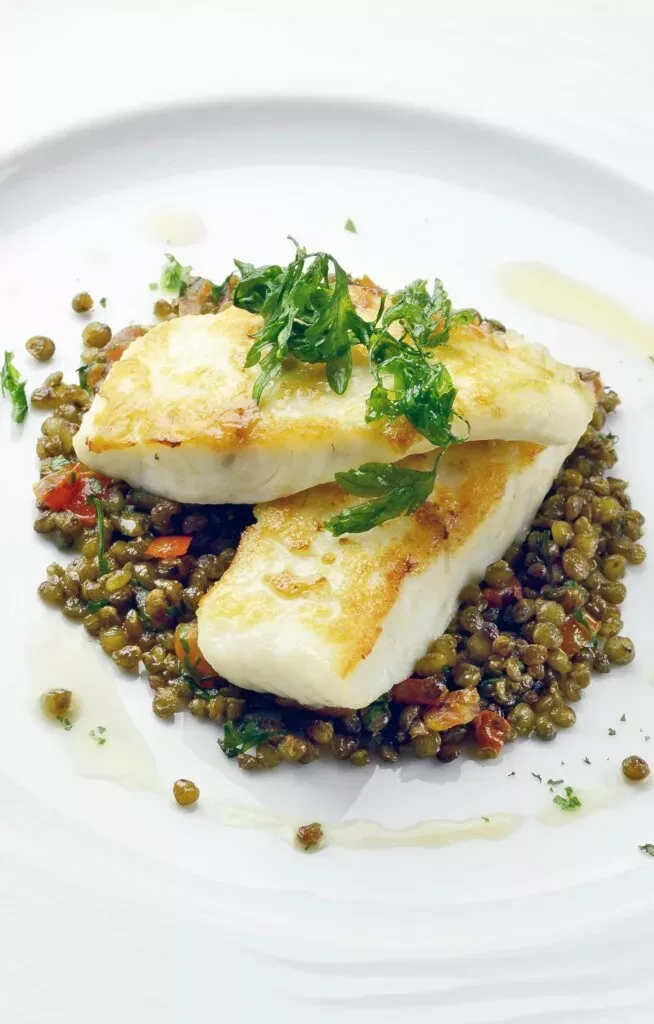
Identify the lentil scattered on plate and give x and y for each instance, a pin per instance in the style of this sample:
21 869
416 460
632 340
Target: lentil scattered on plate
520 650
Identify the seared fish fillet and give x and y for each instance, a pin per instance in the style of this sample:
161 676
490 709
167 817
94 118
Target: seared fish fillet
336 622
176 415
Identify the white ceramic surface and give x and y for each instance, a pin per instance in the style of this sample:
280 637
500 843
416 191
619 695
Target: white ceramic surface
118 905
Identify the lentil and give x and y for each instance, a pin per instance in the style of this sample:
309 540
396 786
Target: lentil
185 792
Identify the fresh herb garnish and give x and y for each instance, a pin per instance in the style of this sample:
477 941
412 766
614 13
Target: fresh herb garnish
98 734
308 313
583 621
239 739
350 226
96 501
13 384
511 774
587 760
484 818
536 776
569 802
218 291
66 722
555 782
94 606
82 373
623 717
377 715
647 848
175 277
612 732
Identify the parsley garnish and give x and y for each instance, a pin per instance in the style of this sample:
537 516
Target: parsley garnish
82 373
583 621
623 717
587 760
377 715
98 734
13 384
103 301
218 291
94 606
511 774
66 722
569 802
555 782
539 777
612 732
308 313
239 739
484 818
174 277
350 226
647 848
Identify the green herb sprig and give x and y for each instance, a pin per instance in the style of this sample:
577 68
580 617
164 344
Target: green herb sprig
240 738
175 277
569 802
308 314
13 385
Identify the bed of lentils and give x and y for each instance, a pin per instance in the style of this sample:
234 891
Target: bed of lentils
525 641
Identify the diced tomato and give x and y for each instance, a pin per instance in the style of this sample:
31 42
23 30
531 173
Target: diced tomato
491 730
419 691
576 635
499 597
457 708
122 340
70 489
169 547
190 655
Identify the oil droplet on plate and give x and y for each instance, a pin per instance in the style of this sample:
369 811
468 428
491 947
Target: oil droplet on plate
547 291
175 227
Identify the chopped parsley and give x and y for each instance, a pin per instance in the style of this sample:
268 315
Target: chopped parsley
82 373
536 776
484 818
350 226
13 385
587 760
554 782
623 717
103 301
510 774
612 732
569 802
66 722
98 734
308 313
174 277
647 848
240 738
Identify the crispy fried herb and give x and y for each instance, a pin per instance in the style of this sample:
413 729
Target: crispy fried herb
583 621
175 277
647 848
569 802
239 739
13 384
350 226
308 313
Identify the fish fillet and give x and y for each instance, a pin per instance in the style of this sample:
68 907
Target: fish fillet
336 622
175 415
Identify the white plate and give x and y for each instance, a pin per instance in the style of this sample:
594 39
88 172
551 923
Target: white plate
120 903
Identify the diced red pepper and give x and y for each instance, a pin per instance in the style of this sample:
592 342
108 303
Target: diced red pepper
491 730
499 597
69 489
429 690
457 707
576 635
168 547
